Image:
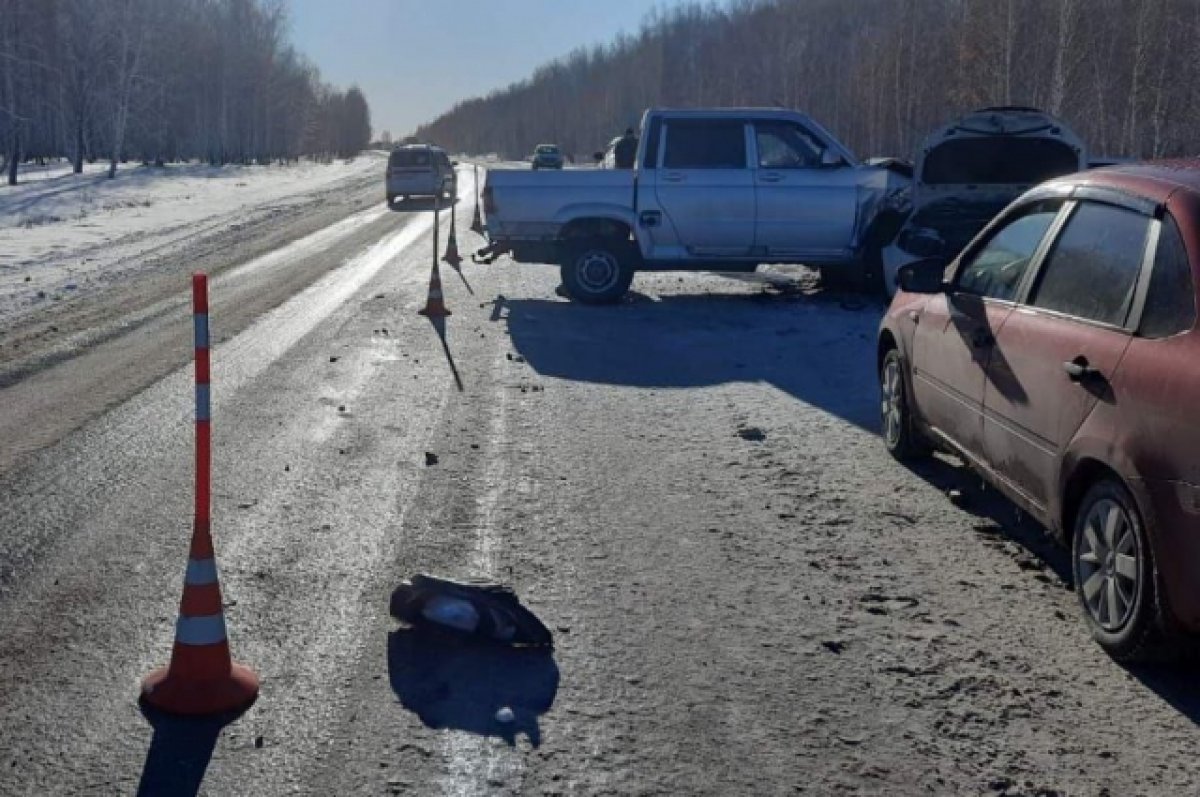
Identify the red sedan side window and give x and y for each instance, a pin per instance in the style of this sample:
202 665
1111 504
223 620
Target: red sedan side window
1171 300
1093 267
996 269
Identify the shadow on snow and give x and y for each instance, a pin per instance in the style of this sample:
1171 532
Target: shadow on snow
818 349
460 684
180 752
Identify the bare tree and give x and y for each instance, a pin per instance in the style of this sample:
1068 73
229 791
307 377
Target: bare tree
880 72
162 79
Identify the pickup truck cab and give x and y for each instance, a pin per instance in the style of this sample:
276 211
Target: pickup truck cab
718 190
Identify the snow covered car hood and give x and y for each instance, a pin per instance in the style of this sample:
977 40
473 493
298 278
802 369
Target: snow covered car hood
969 170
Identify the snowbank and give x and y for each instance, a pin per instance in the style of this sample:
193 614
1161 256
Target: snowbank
59 230
51 195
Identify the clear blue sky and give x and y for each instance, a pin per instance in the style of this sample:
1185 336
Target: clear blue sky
415 58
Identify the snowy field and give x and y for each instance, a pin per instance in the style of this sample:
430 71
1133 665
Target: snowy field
61 233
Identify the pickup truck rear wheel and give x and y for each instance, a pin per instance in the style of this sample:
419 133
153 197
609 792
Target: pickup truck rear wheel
597 271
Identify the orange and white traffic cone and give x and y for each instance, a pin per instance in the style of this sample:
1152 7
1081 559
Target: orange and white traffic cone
202 677
435 305
477 221
452 257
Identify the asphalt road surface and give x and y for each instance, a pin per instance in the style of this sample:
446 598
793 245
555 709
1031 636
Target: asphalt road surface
748 596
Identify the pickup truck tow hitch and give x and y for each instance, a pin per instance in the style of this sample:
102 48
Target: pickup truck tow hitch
487 254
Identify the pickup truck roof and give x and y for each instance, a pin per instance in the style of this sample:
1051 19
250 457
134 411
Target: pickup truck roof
727 113
781 114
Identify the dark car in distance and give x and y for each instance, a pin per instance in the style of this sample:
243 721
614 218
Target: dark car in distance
1058 356
547 156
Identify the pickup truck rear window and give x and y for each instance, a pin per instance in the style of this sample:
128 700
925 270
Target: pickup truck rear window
705 145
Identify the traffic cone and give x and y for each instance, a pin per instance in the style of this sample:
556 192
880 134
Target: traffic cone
452 256
202 677
477 221
435 306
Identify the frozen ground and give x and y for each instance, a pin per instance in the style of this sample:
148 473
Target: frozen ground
63 234
748 595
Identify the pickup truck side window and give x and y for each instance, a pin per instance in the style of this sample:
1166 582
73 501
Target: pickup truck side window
782 145
704 144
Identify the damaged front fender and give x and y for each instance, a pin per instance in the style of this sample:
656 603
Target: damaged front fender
884 203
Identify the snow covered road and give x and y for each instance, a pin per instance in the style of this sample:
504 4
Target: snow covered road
64 236
748 595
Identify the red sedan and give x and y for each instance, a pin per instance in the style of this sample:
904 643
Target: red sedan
1058 355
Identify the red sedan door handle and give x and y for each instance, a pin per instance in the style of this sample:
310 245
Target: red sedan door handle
1079 369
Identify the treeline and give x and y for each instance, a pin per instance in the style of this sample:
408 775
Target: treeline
164 80
880 73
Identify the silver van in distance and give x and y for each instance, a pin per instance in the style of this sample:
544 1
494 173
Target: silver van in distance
419 170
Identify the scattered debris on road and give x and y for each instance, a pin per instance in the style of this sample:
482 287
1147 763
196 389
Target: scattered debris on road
752 433
478 608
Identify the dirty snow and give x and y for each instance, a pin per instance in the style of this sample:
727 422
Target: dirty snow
62 234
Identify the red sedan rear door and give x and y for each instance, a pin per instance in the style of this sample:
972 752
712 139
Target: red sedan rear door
1057 352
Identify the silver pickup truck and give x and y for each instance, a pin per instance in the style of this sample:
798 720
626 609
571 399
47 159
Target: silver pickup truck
714 190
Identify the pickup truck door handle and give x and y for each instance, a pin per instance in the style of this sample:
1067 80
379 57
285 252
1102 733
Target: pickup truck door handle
673 177
1079 369
770 177
650 218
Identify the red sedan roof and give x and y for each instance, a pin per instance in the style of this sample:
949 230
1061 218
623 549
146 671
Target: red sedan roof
1155 180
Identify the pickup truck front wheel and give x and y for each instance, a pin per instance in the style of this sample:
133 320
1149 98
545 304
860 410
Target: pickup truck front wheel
597 271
